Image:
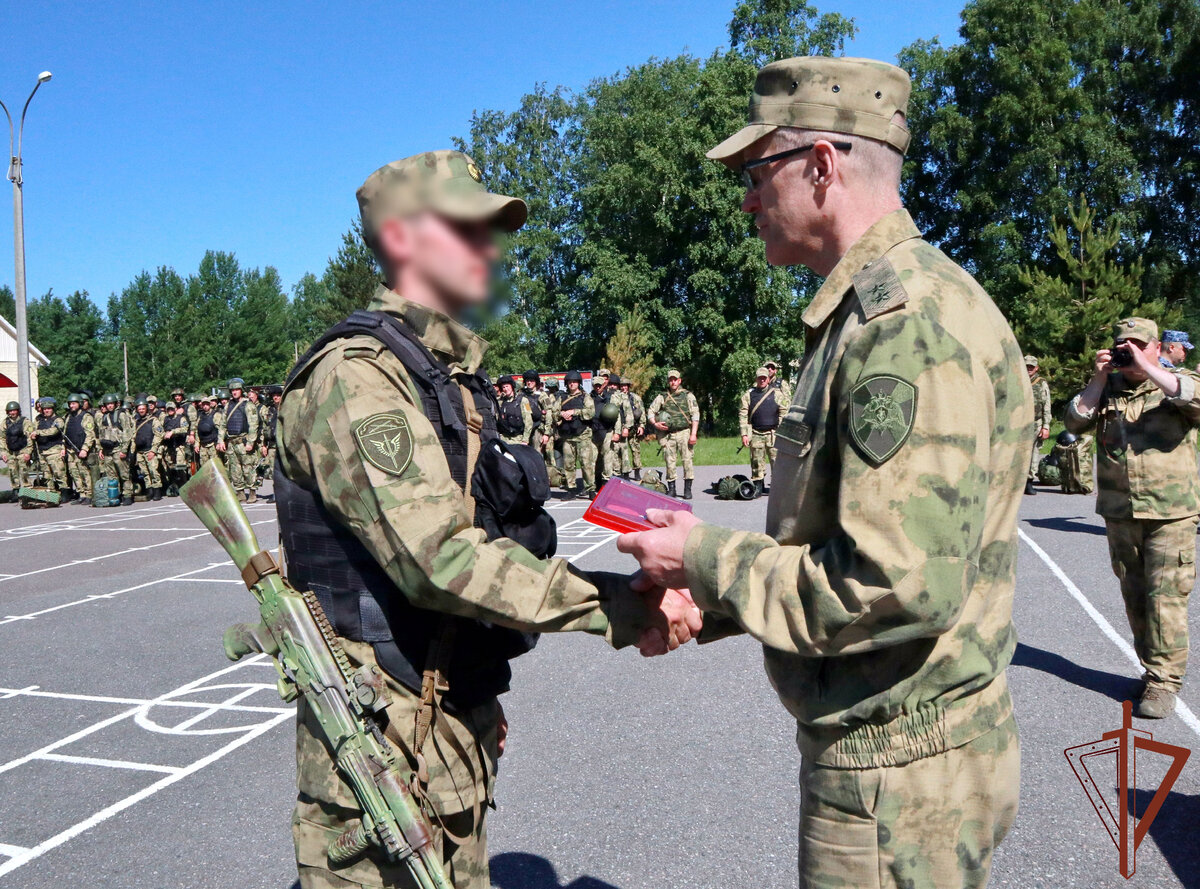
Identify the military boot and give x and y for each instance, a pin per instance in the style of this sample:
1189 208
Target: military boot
637 475
1029 488
687 489
671 489
155 493
252 496
758 489
127 501
1156 703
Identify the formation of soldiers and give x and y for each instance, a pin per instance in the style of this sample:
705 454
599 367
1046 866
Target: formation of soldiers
140 446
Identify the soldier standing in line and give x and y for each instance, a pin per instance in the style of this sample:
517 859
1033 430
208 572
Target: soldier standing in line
174 452
240 441
268 415
79 434
1042 418
209 431
573 426
114 432
146 444
192 412
759 413
93 457
882 589
16 448
514 420
623 429
631 453
1146 418
50 444
676 415
778 383
538 400
553 455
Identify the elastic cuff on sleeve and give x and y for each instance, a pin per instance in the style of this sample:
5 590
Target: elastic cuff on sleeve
1074 409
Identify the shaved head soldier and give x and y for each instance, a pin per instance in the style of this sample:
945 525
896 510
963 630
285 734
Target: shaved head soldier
882 589
380 431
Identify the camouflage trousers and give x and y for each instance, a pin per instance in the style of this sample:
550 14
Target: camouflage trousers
80 473
326 804
266 463
608 455
762 454
1036 457
514 439
631 454
1155 561
17 470
113 466
579 453
54 467
675 449
242 472
207 452
932 823
148 463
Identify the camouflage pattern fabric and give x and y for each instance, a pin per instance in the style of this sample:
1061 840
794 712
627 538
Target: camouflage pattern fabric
762 454
631 449
241 451
79 469
204 453
115 432
1075 465
1042 418
1155 562
1049 472
891 538
676 449
886 827
523 436
147 459
52 460
20 463
762 444
578 451
1145 448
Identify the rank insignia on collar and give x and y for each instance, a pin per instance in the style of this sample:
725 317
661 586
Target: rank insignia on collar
385 441
882 410
878 288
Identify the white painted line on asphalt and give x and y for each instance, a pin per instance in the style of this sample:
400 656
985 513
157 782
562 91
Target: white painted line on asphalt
12 693
101 558
109 763
12 851
84 522
1181 709
31 692
236 580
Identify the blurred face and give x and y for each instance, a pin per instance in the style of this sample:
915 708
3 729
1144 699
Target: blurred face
674 383
72 405
506 390
252 395
142 409
761 382
770 372
277 397
47 411
235 393
452 259
1030 369
178 398
1150 350
572 386
13 414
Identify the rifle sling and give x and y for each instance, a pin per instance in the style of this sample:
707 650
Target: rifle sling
260 565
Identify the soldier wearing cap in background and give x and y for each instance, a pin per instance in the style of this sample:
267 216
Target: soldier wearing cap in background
675 414
1175 347
374 508
1146 418
573 427
79 434
146 445
50 445
16 447
210 431
514 420
761 409
778 383
631 451
239 441
1042 418
884 603
114 431
152 405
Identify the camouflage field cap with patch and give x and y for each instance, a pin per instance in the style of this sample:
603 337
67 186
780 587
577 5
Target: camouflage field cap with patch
673 374
1031 361
859 97
762 372
446 182
1141 329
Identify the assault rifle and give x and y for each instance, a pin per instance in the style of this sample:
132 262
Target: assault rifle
348 703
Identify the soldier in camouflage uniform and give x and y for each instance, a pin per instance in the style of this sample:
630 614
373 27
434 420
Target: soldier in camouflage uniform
622 430
146 446
79 434
541 403
514 420
676 415
114 432
16 447
174 451
239 442
573 427
1041 418
778 383
631 450
761 409
882 589
1145 418
210 431
268 416
370 472
50 445
606 425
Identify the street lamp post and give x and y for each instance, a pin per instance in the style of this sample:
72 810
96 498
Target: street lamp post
24 388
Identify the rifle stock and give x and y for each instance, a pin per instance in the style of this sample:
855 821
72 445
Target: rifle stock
210 495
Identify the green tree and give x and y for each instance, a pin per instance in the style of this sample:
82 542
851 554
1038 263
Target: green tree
628 350
259 334
1070 305
71 334
8 304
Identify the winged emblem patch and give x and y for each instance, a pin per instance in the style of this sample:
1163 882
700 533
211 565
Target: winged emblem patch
385 441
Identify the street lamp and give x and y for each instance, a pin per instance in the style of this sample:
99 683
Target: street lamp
24 389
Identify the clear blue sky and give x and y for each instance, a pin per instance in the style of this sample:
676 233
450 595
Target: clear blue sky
171 128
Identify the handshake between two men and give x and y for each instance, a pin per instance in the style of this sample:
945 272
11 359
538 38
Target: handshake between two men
662 581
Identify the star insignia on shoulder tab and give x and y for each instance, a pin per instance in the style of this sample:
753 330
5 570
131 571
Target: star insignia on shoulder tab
385 441
882 411
879 289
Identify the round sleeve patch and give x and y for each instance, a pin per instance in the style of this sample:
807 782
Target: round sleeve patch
882 409
385 441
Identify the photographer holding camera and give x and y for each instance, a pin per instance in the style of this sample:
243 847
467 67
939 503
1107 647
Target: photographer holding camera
1149 495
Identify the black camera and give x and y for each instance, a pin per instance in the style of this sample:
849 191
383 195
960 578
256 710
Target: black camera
1121 357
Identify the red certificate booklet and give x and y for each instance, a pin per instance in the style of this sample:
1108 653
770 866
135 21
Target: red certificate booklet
621 506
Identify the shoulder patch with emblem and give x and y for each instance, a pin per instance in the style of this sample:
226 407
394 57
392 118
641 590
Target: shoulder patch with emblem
386 442
882 409
879 289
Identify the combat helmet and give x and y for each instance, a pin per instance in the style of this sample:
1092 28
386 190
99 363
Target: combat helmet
142 399
75 397
1066 438
110 398
573 376
47 401
12 406
506 380
236 383
552 384
224 393
609 414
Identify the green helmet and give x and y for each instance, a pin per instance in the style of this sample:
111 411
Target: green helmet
653 479
609 414
727 488
236 383
47 401
663 417
223 393
552 384
178 390
195 398
142 399
74 396
110 398
12 406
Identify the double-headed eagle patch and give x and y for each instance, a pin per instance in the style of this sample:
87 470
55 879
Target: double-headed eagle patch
385 441
882 409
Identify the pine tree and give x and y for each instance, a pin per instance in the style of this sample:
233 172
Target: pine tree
1067 312
629 350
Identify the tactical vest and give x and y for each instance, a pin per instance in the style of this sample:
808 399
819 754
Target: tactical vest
143 435
575 426
535 406
15 438
49 441
170 424
362 602
75 433
764 411
678 416
638 407
108 430
509 420
235 419
600 399
269 425
206 428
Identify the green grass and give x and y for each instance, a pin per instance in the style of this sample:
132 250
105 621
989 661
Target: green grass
709 452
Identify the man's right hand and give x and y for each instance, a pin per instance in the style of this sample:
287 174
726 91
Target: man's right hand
675 619
745 441
221 446
1103 363
568 415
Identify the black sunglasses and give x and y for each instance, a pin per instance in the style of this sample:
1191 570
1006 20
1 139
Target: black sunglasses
748 180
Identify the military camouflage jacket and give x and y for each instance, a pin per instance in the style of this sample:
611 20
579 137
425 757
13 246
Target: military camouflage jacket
526 417
772 402
682 406
156 430
251 433
24 423
882 590
407 510
1042 417
113 430
1145 448
638 407
584 409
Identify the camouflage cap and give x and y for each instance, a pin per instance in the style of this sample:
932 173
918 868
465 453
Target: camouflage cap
762 372
1178 336
673 374
446 182
153 399
1141 329
603 372
770 363
859 97
1031 361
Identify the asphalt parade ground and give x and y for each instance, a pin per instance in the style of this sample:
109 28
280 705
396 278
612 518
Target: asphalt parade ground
134 754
